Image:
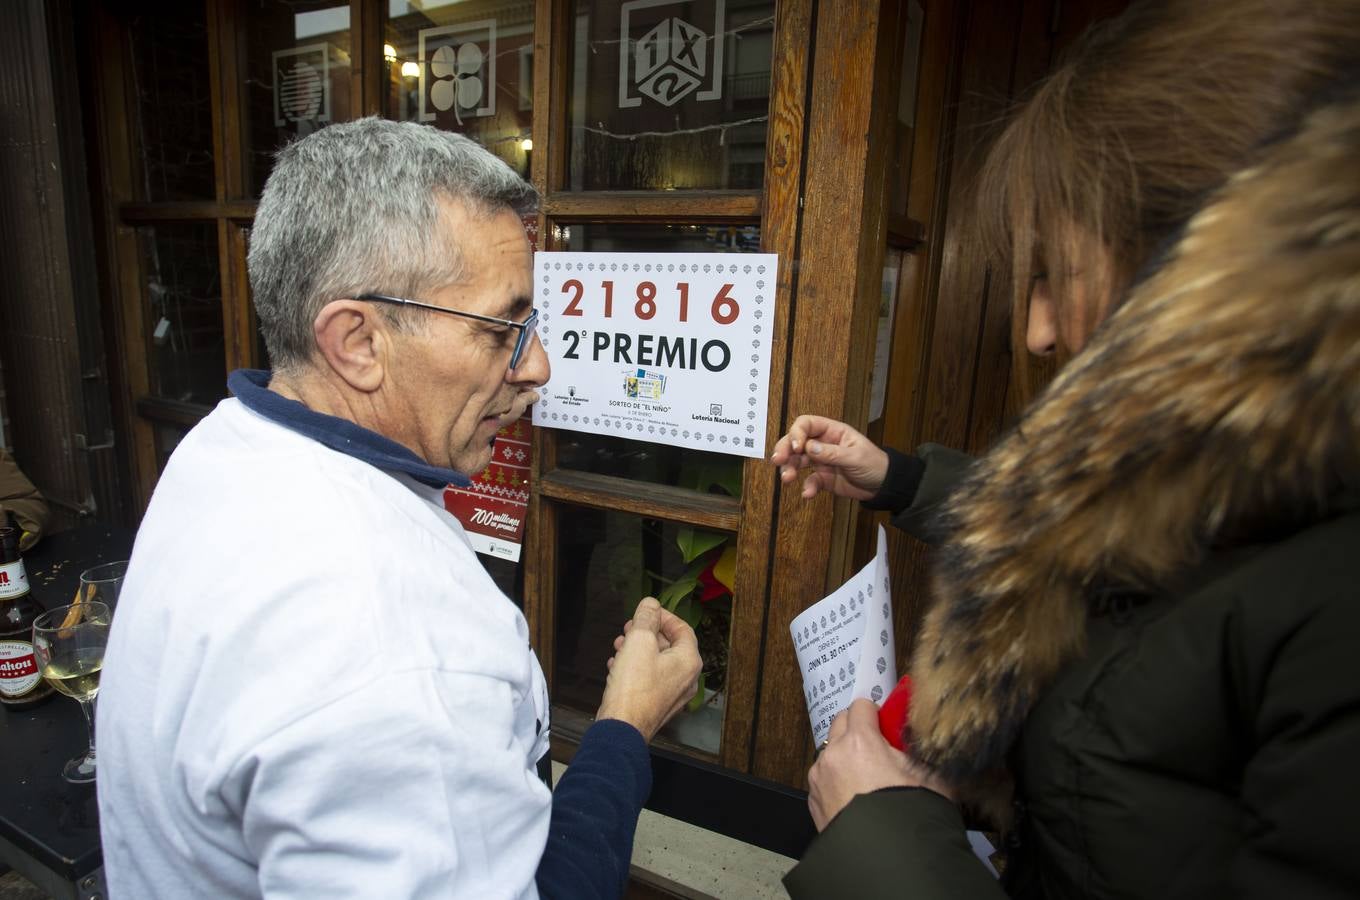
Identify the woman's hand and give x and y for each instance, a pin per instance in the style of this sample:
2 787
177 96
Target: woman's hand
843 461
857 760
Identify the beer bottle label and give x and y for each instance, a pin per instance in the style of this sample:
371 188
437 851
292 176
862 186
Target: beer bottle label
13 579
18 669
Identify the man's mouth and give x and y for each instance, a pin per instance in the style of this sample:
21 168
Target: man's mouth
513 411
494 422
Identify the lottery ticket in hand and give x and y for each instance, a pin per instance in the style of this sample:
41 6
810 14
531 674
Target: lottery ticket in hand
844 644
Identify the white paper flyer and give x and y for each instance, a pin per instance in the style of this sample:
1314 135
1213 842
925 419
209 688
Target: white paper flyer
844 644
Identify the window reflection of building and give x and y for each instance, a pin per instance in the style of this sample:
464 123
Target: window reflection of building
173 113
183 292
297 57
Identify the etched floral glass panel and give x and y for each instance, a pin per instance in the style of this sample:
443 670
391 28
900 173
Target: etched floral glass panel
466 67
669 94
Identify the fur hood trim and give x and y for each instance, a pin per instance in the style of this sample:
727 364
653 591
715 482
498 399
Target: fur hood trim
1226 389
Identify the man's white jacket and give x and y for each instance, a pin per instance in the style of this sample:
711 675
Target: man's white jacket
313 688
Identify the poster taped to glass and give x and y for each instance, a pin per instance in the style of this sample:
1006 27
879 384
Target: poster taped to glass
492 508
671 348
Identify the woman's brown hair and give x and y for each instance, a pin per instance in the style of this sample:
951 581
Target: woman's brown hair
1146 115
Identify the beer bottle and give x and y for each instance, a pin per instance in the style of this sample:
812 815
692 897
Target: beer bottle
21 684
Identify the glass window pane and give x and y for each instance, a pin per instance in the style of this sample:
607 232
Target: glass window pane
297 75
887 309
607 561
669 94
261 352
186 353
899 161
167 438
509 576
640 460
640 237
465 67
695 470
173 112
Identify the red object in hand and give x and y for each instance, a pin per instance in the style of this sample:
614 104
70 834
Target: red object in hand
893 714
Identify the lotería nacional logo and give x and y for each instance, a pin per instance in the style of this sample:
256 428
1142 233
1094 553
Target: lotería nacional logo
667 58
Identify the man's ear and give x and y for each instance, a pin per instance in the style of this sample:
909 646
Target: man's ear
354 341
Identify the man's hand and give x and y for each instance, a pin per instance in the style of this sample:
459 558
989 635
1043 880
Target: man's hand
843 461
654 671
857 760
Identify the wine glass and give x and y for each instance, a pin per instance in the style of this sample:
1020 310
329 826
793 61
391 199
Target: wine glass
68 643
102 583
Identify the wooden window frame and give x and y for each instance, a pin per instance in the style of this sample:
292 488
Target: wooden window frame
775 210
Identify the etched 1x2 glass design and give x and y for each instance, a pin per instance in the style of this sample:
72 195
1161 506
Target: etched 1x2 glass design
669 94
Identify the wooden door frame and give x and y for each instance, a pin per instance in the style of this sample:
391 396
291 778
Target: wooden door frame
839 257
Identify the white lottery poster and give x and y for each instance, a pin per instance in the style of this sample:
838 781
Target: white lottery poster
844 644
672 348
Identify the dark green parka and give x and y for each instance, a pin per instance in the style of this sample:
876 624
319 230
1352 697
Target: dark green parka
1143 659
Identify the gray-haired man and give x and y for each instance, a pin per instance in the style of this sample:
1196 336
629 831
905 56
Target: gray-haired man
312 686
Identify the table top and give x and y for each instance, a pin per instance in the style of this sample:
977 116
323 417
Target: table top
55 822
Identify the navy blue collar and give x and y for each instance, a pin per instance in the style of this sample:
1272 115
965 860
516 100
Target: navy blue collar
251 387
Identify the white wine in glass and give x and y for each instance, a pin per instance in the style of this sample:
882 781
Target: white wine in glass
75 675
69 642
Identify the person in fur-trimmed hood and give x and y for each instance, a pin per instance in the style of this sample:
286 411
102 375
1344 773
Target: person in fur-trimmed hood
1142 661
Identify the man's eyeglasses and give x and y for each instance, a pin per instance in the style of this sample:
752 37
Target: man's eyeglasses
526 328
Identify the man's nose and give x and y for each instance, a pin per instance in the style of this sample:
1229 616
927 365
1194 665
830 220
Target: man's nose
533 369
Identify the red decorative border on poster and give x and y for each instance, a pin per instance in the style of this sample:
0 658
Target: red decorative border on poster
493 507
